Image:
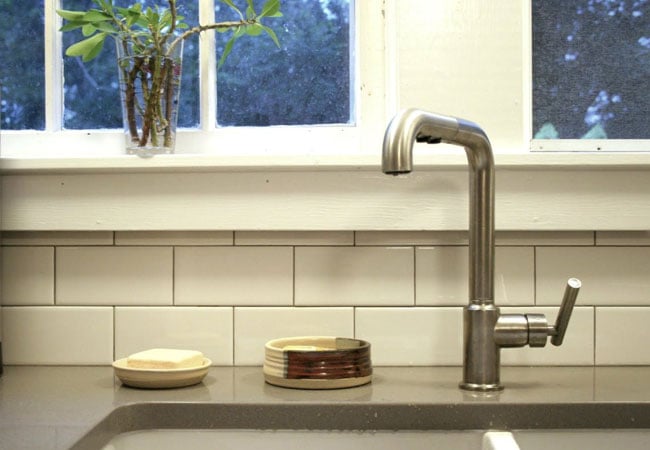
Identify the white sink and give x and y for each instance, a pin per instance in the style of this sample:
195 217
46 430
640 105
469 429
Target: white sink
583 439
295 440
381 440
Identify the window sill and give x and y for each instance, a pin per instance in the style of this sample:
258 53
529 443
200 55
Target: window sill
431 160
536 191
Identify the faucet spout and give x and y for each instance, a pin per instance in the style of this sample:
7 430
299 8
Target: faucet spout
412 125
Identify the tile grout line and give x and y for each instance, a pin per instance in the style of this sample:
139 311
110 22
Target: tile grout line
173 275
54 267
594 331
415 281
233 326
535 275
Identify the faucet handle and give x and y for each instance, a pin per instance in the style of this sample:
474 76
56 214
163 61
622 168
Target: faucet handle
518 330
568 301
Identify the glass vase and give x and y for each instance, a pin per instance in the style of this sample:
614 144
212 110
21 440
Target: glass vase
150 81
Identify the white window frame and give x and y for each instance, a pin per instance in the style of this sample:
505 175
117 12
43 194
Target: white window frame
367 97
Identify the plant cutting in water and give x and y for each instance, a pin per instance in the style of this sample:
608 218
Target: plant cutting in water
149 47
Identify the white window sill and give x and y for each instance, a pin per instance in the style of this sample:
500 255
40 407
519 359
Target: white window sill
534 191
429 160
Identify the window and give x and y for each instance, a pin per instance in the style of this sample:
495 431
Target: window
22 74
310 80
591 72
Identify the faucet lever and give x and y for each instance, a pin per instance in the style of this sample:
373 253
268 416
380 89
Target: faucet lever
519 330
568 301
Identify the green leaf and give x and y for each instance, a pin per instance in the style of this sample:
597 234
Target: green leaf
70 15
88 29
254 30
95 16
106 27
272 35
250 10
72 26
271 8
226 51
88 48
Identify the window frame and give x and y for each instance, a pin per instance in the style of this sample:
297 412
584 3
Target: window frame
367 88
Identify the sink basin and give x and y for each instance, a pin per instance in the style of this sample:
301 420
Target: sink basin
593 425
381 440
634 439
295 440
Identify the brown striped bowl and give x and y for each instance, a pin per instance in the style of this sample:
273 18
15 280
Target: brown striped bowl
317 362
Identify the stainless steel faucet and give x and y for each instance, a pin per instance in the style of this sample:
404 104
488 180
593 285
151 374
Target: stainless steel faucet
486 331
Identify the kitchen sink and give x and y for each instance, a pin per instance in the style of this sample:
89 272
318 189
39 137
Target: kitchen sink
179 439
476 426
295 440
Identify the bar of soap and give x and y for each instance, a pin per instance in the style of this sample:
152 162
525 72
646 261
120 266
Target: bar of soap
165 358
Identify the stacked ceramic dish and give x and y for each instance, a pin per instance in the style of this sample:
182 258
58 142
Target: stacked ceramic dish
162 368
317 362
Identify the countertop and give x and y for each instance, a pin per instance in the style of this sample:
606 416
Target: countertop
43 407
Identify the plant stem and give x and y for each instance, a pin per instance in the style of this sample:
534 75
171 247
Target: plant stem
169 100
213 26
130 77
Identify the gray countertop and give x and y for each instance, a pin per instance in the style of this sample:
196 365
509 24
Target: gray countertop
53 407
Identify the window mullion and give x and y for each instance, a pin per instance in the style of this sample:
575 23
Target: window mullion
53 67
207 68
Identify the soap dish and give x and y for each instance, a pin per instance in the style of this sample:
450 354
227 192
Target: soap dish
317 362
160 378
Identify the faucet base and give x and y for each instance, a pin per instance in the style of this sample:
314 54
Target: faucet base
481 359
481 387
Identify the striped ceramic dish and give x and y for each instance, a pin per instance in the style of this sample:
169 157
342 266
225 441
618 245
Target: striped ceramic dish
317 362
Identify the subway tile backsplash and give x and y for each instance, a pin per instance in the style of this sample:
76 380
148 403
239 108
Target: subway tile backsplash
92 297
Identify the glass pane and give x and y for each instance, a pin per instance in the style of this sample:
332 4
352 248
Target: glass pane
91 89
306 81
591 69
22 72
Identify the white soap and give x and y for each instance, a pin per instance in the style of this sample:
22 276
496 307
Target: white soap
165 358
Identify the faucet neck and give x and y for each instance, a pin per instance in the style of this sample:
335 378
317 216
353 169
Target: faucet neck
481 212
413 125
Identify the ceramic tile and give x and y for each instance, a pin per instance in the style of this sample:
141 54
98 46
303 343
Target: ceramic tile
411 238
28 275
254 327
348 276
412 336
294 238
173 238
57 238
610 275
114 276
57 335
623 237
206 329
622 336
441 276
542 238
255 276
576 350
